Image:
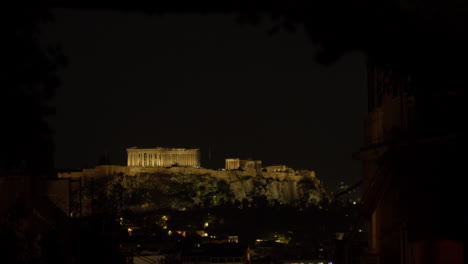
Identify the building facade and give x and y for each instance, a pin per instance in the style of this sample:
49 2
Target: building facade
411 165
235 164
163 157
232 164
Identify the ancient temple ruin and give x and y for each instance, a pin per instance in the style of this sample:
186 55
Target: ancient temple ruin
163 157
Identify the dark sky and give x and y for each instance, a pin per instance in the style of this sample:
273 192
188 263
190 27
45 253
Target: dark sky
207 82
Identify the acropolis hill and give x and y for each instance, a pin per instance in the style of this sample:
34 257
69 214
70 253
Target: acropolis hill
246 178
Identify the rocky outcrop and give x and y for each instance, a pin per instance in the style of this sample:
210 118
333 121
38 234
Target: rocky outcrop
183 187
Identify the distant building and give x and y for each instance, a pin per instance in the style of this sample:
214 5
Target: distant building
163 157
233 239
235 164
232 164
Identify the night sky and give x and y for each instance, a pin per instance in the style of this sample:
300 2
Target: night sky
190 80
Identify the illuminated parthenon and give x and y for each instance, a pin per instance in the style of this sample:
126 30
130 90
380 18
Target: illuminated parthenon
163 157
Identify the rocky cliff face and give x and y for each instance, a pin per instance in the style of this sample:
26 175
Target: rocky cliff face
180 187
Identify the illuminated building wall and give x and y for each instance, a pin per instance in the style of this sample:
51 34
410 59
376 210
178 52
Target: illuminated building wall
232 164
163 157
255 165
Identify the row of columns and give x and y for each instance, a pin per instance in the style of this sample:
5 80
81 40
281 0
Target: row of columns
162 159
232 164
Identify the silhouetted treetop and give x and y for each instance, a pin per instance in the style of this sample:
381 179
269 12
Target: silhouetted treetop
28 82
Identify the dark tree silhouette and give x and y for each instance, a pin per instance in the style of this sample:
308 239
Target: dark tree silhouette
28 80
